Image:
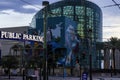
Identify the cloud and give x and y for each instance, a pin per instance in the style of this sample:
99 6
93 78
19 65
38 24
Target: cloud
4 13
5 3
102 3
15 19
19 5
112 31
18 13
112 28
111 20
53 1
35 7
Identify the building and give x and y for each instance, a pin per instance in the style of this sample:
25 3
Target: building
60 30
87 14
6 44
89 22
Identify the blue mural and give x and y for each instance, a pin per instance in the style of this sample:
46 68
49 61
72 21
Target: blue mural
72 43
61 34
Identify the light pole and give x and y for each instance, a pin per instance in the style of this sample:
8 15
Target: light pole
45 75
90 55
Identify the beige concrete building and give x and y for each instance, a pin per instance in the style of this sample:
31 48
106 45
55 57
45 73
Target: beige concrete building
7 44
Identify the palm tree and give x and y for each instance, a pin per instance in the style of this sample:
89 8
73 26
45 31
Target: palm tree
38 50
10 61
28 49
37 57
118 44
114 41
106 49
15 49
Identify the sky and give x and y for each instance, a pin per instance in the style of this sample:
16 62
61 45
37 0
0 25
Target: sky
16 13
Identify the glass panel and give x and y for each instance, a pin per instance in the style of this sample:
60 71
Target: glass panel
80 30
55 12
68 11
33 23
80 12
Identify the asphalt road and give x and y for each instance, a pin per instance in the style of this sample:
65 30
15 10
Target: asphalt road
60 78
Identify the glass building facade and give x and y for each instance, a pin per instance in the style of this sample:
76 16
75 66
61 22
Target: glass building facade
87 15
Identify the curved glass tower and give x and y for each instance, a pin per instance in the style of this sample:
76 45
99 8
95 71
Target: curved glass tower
87 15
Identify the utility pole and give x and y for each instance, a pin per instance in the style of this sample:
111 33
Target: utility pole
88 36
90 55
45 74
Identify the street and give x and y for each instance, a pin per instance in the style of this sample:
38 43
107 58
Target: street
61 78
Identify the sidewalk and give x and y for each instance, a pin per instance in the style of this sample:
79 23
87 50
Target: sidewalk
11 78
73 78
60 78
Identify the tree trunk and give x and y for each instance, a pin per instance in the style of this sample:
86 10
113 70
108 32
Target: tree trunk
9 73
114 67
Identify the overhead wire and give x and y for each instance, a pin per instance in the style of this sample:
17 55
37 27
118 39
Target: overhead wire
116 4
30 4
110 5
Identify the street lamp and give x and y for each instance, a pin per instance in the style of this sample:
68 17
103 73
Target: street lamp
45 75
90 55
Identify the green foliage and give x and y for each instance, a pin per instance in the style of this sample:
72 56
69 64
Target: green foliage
10 61
115 42
27 48
35 61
